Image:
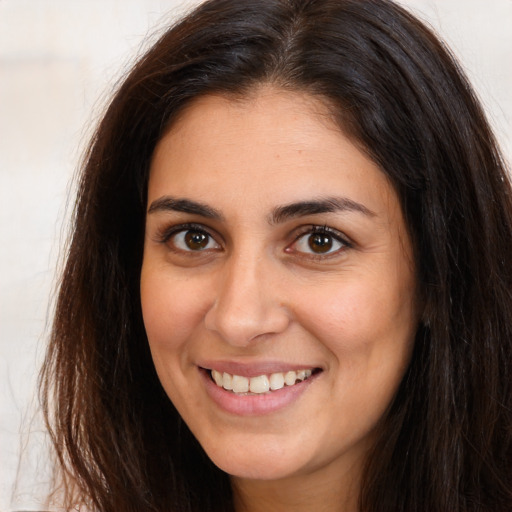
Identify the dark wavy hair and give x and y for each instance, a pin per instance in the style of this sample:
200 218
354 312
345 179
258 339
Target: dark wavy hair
445 443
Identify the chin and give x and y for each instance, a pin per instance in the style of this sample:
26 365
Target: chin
254 471
257 464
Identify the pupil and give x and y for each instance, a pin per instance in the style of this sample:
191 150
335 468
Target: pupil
195 240
320 243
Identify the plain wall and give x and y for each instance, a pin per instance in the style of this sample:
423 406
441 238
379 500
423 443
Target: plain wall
59 59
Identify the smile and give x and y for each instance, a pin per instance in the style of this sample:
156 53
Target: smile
260 384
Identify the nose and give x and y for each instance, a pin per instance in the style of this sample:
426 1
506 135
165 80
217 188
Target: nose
247 303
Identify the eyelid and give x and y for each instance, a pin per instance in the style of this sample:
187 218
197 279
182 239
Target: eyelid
311 229
323 228
164 234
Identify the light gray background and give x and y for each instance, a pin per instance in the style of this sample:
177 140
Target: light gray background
59 60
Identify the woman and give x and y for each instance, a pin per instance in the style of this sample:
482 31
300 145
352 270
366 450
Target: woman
289 282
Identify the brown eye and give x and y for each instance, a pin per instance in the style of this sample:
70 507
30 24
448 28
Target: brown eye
320 242
193 240
196 241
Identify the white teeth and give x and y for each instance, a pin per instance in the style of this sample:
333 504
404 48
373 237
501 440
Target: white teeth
217 377
290 378
260 384
240 384
227 381
276 381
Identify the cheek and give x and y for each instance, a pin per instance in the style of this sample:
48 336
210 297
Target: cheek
370 337
171 312
358 319
172 309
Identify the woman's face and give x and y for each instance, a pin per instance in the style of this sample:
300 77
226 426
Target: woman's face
278 285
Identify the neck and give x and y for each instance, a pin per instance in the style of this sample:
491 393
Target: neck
317 491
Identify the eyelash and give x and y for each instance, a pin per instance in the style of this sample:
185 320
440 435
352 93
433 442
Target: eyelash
321 230
165 235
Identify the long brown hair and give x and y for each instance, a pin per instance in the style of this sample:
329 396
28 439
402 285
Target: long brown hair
446 441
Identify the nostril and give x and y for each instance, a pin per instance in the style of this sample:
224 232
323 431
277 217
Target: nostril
240 326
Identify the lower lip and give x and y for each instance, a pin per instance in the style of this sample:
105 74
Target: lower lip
255 404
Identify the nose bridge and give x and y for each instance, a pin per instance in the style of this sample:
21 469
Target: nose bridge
247 303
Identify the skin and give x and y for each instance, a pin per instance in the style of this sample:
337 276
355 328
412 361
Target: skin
258 292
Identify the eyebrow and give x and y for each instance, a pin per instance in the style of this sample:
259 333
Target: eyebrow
279 215
315 207
171 204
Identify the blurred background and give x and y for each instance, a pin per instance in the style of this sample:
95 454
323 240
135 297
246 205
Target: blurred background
59 61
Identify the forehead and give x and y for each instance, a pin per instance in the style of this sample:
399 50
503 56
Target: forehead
265 114
272 146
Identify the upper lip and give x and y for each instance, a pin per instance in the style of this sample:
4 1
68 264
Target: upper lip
254 369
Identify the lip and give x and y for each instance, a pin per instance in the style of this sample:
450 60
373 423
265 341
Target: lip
254 404
254 369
